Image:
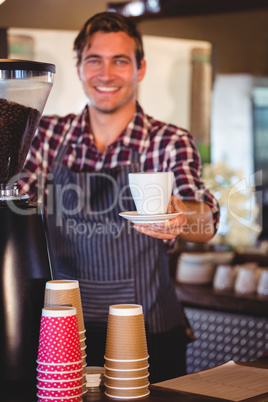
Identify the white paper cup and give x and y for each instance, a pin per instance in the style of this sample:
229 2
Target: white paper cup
246 281
224 278
263 284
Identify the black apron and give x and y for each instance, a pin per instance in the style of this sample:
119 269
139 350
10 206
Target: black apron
113 262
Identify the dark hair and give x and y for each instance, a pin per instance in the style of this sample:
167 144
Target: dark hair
107 22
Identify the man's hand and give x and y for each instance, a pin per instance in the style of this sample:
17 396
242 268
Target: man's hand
166 230
195 224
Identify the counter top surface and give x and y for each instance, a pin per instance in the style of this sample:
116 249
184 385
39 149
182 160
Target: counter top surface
28 394
156 395
23 393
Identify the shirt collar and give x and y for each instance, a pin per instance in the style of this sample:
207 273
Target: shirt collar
134 135
136 132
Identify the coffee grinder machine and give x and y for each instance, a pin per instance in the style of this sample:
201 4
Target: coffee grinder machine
24 257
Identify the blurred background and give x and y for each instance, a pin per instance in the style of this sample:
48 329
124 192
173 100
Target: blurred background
207 72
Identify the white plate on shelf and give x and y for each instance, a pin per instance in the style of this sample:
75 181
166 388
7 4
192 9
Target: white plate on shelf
196 257
138 218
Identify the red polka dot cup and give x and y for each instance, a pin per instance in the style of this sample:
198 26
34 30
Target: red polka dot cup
59 393
59 367
56 375
59 341
59 384
65 399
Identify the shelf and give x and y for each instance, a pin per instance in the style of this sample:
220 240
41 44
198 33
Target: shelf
205 297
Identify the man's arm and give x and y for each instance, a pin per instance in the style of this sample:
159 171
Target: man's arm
195 224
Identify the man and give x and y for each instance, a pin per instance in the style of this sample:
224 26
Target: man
84 162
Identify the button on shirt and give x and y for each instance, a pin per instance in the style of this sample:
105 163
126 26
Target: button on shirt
161 146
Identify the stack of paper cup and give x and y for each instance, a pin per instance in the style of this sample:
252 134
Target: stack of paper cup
59 356
67 292
126 355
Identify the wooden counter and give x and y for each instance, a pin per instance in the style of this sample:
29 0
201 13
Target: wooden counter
23 393
28 394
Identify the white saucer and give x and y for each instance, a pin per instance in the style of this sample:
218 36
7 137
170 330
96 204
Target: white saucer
137 218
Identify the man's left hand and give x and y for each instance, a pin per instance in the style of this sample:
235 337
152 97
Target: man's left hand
166 230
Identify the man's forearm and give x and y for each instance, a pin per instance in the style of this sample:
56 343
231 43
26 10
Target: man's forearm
199 226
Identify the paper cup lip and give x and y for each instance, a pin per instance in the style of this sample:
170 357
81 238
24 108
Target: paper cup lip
125 309
53 398
59 381
127 397
58 311
58 364
127 361
126 388
59 372
62 284
57 389
127 378
132 369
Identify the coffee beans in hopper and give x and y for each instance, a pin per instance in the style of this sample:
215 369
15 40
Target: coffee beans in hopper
18 124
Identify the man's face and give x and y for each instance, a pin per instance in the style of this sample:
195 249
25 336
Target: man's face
109 72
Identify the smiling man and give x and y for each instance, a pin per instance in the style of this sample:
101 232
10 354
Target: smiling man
84 161
109 74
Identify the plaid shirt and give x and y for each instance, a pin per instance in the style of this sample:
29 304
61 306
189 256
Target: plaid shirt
161 147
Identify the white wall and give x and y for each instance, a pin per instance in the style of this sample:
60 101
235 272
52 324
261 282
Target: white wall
53 46
231 122
164 93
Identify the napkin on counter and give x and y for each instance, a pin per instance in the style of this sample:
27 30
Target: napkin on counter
229 381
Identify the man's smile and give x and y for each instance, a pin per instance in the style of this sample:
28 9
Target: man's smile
107 89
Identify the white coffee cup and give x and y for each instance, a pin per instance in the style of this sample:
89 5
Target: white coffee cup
151 191
224 278
263 284
246 281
